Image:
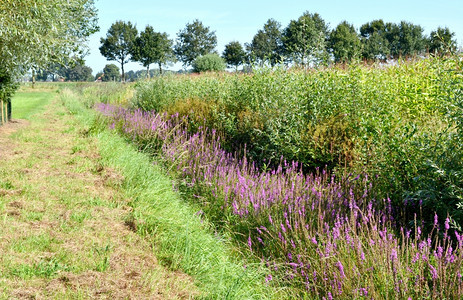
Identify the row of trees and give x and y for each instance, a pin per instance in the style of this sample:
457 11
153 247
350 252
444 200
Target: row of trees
37 33
305 41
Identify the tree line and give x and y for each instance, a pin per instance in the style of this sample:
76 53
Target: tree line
307 41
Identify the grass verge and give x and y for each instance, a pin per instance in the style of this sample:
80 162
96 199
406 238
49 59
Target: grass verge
62 218
180 238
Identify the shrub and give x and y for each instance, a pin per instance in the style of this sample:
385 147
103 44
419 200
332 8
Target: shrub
209 62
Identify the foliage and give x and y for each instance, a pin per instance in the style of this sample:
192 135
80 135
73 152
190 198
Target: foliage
209 62
266 45
118 43
345 43
322 237
152 47
403 39
304 39
36 32
193 41
441 41
389 122
111 73
410 40
234 54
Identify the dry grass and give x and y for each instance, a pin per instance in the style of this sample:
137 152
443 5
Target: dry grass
62 214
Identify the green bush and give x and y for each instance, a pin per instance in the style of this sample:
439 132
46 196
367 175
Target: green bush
209 62
396 123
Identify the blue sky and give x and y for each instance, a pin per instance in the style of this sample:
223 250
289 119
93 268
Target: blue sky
241 19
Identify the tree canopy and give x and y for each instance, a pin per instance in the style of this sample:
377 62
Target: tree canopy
118 43
193 41
152 47
266 45
34 33
111 73
345 43
304 39
234 54
442 41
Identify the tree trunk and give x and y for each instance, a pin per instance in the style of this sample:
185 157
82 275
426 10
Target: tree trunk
160 68
148 72
33 78
3 114
123 74
8 109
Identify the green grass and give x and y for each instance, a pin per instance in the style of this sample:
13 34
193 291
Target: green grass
181 240
25 104
62 216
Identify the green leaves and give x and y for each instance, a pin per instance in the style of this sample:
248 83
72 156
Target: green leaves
193 41
208 62
35 33
152 47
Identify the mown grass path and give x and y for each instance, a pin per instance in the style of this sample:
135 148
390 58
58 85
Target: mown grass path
62 229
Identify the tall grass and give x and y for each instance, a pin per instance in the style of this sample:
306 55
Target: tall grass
325 238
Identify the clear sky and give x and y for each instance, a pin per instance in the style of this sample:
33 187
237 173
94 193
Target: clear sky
241 19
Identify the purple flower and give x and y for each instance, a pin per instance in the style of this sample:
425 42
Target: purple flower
446 224
341 269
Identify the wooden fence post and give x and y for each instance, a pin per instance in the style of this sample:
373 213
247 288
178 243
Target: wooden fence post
3 120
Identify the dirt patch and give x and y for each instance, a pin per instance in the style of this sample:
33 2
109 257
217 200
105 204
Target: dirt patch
12 126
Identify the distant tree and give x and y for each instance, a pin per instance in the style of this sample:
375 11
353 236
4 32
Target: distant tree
266 45
234 54
208 62
375 44
370 28
345 43
152 47
375 47
193 41
111 73
118 43
79 72
411 40
441 41
304 39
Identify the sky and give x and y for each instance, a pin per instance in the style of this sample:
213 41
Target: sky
239 20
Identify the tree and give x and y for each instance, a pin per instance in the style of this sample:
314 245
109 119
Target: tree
79 72
375 47
34 33
441 41
152 47
345 43
118 43
111 73
208 62
410 40
304 39
234 54
374 38
266 44
193 41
